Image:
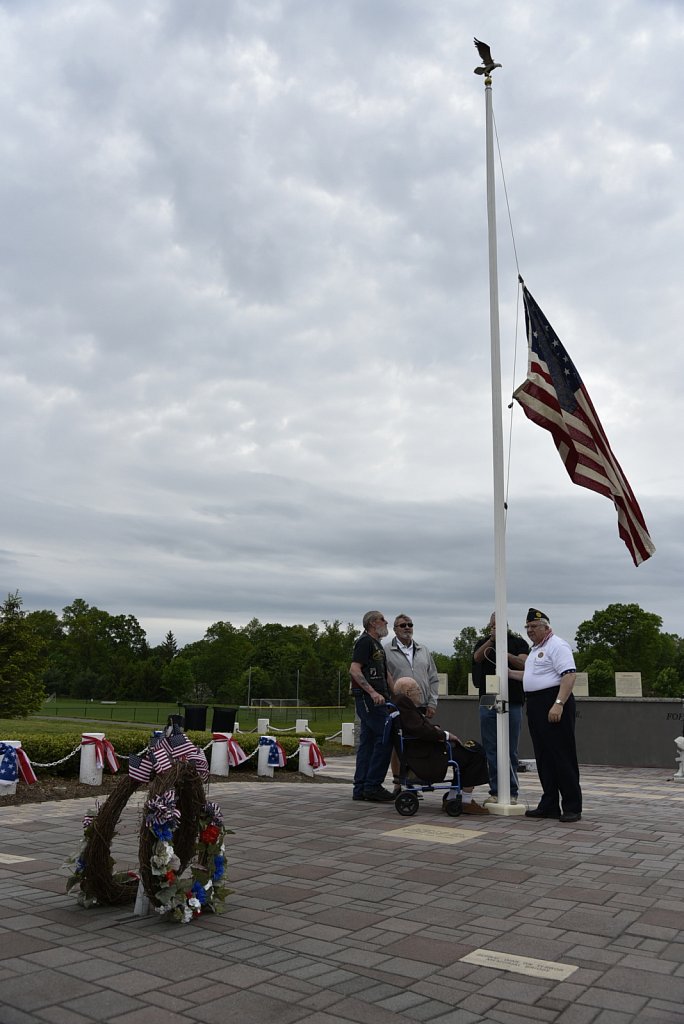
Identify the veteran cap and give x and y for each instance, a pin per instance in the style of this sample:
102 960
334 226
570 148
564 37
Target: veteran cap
534 615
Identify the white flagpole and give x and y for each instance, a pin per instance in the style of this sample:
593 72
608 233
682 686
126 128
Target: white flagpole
502 740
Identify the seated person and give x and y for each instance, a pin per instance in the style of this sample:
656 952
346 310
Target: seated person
426 751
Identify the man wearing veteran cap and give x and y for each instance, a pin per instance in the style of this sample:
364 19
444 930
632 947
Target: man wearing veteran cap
548 679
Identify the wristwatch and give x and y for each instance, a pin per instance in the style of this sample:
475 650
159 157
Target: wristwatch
559 701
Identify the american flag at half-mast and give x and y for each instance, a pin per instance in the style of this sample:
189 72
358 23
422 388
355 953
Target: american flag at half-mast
555 397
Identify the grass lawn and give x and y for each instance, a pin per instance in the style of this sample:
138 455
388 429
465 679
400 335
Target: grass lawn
137 714
14 728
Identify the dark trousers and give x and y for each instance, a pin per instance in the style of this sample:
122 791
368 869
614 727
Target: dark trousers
373 751
555 752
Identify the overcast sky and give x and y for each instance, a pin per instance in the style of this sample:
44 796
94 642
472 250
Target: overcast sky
244 306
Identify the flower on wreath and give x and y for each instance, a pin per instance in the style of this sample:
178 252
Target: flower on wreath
184 898
210 834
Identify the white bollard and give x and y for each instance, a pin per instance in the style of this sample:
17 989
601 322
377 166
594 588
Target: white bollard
263 725
302 725
89 773
236 727
263 767
10 788
679 744
219 753
347 734
304 748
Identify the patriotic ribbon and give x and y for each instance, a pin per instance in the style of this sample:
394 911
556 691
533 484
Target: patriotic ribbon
25 766
236 754
104 752
214 813
14 762
162 810
316 759
277 757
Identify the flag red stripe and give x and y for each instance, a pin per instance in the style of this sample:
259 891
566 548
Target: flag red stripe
576 429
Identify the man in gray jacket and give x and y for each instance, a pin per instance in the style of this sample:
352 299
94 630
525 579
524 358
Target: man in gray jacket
406 657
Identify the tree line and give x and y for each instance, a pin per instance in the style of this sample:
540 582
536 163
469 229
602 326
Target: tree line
87 653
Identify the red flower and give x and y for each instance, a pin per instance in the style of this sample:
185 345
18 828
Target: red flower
170 876
210 834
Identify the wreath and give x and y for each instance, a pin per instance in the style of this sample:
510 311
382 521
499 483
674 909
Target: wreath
179 828
93 864
168 844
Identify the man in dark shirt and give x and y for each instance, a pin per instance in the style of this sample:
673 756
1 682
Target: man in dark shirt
371 685
484 664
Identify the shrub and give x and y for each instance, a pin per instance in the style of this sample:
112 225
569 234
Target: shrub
43 748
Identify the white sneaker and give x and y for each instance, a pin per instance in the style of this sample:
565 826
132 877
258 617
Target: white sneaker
490 800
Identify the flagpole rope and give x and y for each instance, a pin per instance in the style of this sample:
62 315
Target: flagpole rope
517 320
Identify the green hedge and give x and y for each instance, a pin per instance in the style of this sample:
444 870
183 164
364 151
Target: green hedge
46 749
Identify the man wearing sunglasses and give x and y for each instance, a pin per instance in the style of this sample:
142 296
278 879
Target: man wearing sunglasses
406 657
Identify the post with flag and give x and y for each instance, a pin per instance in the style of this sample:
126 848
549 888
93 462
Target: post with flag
554 397
503 805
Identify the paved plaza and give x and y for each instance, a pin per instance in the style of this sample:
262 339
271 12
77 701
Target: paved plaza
346 911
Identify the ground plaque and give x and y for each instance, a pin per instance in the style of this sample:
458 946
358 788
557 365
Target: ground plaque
520 964
433 834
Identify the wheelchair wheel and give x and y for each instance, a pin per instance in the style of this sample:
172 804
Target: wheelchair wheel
454 807
406 804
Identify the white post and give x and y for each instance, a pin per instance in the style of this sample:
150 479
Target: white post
220 764
89 773
347 734
304 748
679 744
263 767
302 725
10 788
236 727
263 725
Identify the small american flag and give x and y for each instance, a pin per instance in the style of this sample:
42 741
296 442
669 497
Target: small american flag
554 397
179 746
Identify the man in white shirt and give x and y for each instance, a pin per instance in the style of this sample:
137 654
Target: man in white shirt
548 679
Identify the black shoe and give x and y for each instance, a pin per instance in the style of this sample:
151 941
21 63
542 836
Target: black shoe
571 816
536 813
358 796
378 796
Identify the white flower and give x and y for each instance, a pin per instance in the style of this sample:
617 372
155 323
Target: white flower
162 857
187 915
194 903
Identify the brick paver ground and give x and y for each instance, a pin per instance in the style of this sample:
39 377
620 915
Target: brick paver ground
338 916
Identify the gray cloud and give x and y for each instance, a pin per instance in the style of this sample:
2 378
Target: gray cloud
244 328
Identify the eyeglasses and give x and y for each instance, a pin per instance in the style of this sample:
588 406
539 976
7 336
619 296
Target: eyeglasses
404 625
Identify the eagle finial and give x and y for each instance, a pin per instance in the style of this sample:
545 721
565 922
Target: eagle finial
488 63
